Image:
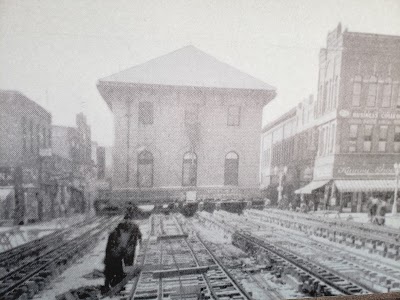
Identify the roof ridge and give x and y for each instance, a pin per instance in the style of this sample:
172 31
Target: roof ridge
194 67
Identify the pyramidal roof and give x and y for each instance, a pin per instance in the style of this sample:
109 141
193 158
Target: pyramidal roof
188 66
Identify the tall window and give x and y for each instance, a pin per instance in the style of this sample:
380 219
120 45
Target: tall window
49 137
189 169
357 87
192 114
367 138
231 173
387 93
233 115
145 169
37 138
44 142
325 98
23 124
397 139
383 132
335 92
31 134
372 91
146 113
353 138
41 137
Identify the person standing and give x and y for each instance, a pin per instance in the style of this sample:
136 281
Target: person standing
115 253
135 235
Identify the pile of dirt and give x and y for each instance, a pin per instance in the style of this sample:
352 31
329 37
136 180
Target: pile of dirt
85 292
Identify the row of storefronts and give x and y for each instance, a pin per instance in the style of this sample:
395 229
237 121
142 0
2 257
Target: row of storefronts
353 145
43 175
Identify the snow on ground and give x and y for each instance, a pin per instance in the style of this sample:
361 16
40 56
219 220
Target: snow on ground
72 277
18 235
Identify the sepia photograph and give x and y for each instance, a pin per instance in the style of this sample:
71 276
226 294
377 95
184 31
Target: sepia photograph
199 149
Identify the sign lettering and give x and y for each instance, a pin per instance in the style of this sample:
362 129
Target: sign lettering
380 170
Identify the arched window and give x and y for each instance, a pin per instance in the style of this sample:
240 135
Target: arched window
387 93
145 169
372 91
231 169
189 169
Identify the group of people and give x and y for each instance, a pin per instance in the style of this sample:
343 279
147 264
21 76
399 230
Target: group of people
377 210
120 251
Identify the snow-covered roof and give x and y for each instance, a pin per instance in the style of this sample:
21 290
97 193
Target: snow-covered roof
188 66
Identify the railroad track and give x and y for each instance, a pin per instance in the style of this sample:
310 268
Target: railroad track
386 235
31 276
362 227
303 268
177 266
12 259
345 260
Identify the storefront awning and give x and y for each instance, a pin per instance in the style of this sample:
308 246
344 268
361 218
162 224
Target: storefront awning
377 185
313 185
4 193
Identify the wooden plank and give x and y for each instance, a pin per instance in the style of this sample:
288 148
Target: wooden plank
172 236
179 272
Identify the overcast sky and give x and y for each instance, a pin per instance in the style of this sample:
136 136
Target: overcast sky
64 47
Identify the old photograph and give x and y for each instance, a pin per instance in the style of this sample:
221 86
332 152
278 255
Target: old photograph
199 149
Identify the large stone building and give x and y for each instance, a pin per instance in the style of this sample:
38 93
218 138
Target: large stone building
25 135
186 127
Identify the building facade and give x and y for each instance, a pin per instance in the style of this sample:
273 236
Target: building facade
25 135
289 142
357 121
186 127
75 165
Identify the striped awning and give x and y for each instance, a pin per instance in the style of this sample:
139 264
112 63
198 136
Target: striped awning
313 185
374 185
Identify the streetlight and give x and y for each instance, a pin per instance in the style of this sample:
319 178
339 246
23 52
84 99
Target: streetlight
397 173
280 172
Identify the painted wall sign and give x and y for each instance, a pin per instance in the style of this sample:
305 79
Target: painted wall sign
365 171
386 115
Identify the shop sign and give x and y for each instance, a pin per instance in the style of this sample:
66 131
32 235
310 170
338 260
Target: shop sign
365 171
387 115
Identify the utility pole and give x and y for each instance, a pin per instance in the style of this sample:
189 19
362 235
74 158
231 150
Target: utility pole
396 189
128 115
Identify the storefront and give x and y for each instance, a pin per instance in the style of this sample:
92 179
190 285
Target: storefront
355 194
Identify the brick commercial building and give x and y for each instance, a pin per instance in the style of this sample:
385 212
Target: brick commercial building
74 165
186 127
358 119
25 135
289 142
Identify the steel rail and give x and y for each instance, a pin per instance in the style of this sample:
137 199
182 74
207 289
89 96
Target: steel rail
65 249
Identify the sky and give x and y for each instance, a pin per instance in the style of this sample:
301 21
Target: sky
54 51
